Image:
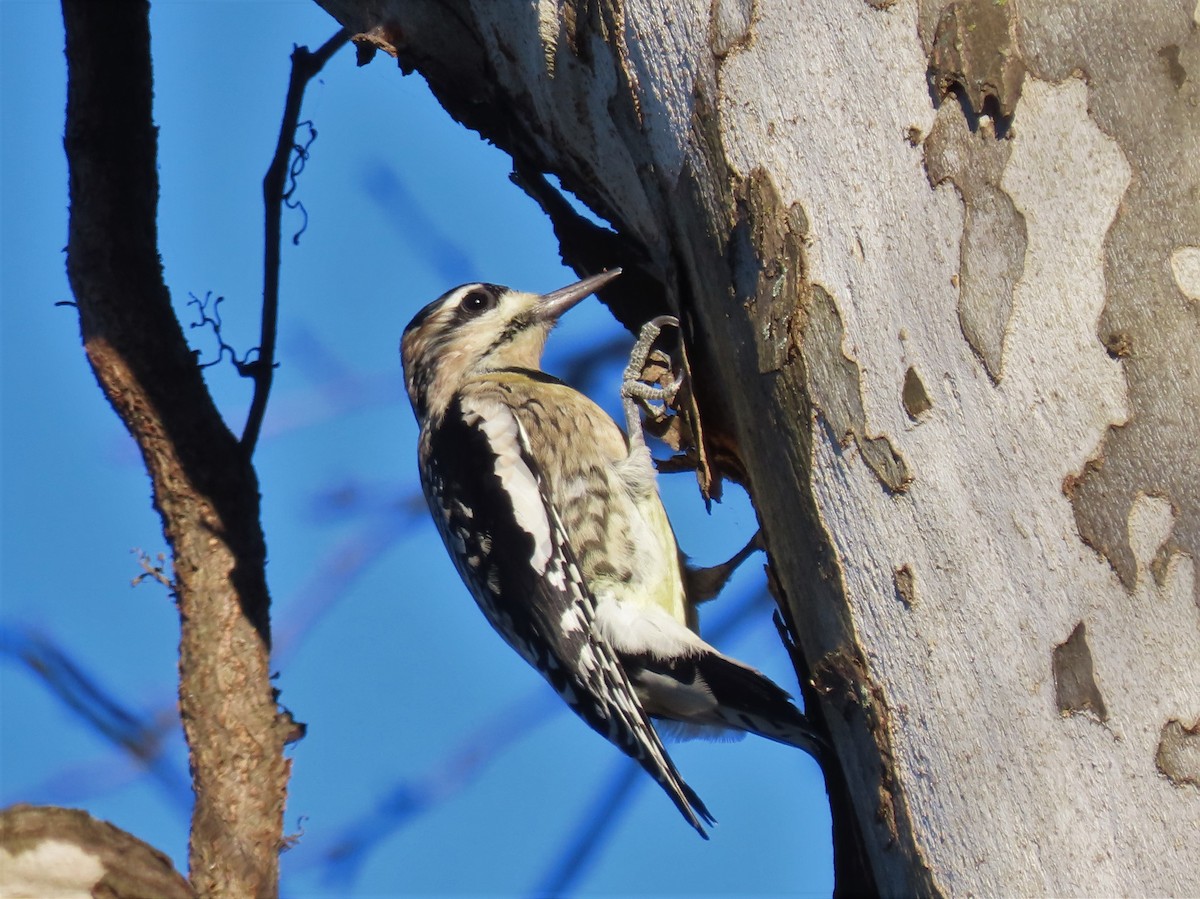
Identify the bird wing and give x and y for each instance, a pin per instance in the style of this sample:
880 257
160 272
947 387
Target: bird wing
481 477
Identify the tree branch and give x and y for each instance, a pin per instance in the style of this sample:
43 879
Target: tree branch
204 487
305 66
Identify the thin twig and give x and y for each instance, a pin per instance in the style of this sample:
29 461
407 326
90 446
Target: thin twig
276 192
151 570
209 310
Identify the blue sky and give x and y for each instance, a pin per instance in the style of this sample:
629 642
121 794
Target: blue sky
425 731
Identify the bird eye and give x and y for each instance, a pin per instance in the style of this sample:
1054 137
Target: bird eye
477 301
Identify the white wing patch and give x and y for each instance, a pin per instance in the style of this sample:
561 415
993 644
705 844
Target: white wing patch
587 659
573 620
505 438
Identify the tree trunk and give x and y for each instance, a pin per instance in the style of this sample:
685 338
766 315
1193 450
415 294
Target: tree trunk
939 271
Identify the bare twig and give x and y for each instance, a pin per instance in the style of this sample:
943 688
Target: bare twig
151 570
459 768
276 192
208 308
408 799
442 250
337 570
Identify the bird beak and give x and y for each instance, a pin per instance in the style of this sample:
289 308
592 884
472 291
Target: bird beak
551 305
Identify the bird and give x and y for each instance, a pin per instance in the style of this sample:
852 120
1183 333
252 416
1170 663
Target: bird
552 516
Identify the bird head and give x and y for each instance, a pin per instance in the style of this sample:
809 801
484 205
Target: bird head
478 328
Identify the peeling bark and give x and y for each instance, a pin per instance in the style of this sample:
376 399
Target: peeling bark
946 341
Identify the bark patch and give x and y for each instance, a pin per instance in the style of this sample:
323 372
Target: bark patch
1178 756
730 25
974 52
914 395
906 585
835 382
797 322
1144 93
1075 687
774 242
992 251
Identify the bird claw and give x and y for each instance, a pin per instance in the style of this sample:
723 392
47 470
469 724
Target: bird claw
650 378
703 584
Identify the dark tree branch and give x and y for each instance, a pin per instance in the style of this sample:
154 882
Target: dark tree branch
204 487
277 190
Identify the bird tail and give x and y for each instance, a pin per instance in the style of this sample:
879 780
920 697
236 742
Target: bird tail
695 811
750 701
653 757
624 723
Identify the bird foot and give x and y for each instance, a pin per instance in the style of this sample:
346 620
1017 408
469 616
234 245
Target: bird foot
650 383
704 584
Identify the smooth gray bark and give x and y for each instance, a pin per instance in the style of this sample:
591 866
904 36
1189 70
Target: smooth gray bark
939 267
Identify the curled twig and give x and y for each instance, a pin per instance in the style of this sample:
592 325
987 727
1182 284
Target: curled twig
209 310
299 158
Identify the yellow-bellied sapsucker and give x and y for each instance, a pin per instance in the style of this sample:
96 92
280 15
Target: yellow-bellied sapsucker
554 522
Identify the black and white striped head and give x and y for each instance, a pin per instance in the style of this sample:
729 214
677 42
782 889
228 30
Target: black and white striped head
478 328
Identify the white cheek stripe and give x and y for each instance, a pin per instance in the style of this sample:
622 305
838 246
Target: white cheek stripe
503 432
